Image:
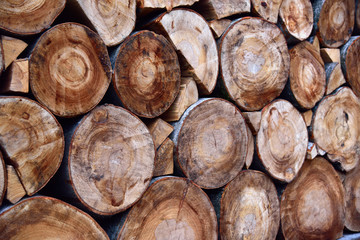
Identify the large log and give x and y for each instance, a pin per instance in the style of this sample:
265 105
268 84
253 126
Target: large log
3 178
29 17
211 142
218 9
111 159
267 9
113 20
254 62
172 208
282 140
32 141
70 69
312 206
352 196
195 44
48 218
250 208
336 127
297 18
334 21
146 74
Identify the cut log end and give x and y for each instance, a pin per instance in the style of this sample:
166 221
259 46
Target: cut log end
16 79
282 140
164 161
3 178
250 208
350 63
12 48
330 55
15 191
218 9
268 9
253 121
219 26
334 77
159 130
352 196
111 159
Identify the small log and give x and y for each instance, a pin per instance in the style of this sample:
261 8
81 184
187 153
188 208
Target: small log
312 151
315 42
150 84
307 75
282 140
16 79
211 142
149 5
188 95
250 208
334 21
69 69
159 130
14 191
195 45
335 127
29 17
307 117
352 196
164 160
219 26
217 9
253 121
172 208
250 150
2 64
32 141
297 18
350 58
3 178
250 50
267 9
111 159
330 55
113 20
48 218
312 206
12 48
334 77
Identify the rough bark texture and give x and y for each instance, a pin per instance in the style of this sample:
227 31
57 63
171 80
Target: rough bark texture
282 140
211 142
334 77
312 206
32 141
307 75
3 178
48 218
195 44
352 196
336 127
164 161
334 21
15 191
254 62
29 17
147 74
217 9
113 20
16 79
70 69
12 48
350 58
267 9
172 208
250 208
111 159
297 18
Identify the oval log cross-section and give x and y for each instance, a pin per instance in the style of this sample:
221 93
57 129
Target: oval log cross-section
336 127
172 208
250 208
29 17
32 140
307 75
335 21
312 206
254 62
3 178
282 140
111 159
70 69
212 142
350 58
147 74
352 198
48 218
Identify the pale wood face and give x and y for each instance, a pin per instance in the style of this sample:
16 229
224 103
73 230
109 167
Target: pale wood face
352 65
268 9
3 178
352 198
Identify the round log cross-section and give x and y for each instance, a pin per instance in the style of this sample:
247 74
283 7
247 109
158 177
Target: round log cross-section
250 208
70 69
111 159
336 127
350 58
172 208
147 74
48 218
212 142
352 198
312 206
254 62
32 141
282 140
29 17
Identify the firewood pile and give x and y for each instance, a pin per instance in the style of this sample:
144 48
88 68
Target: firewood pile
180 119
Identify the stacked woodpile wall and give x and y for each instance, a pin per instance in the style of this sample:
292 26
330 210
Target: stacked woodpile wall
180 119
